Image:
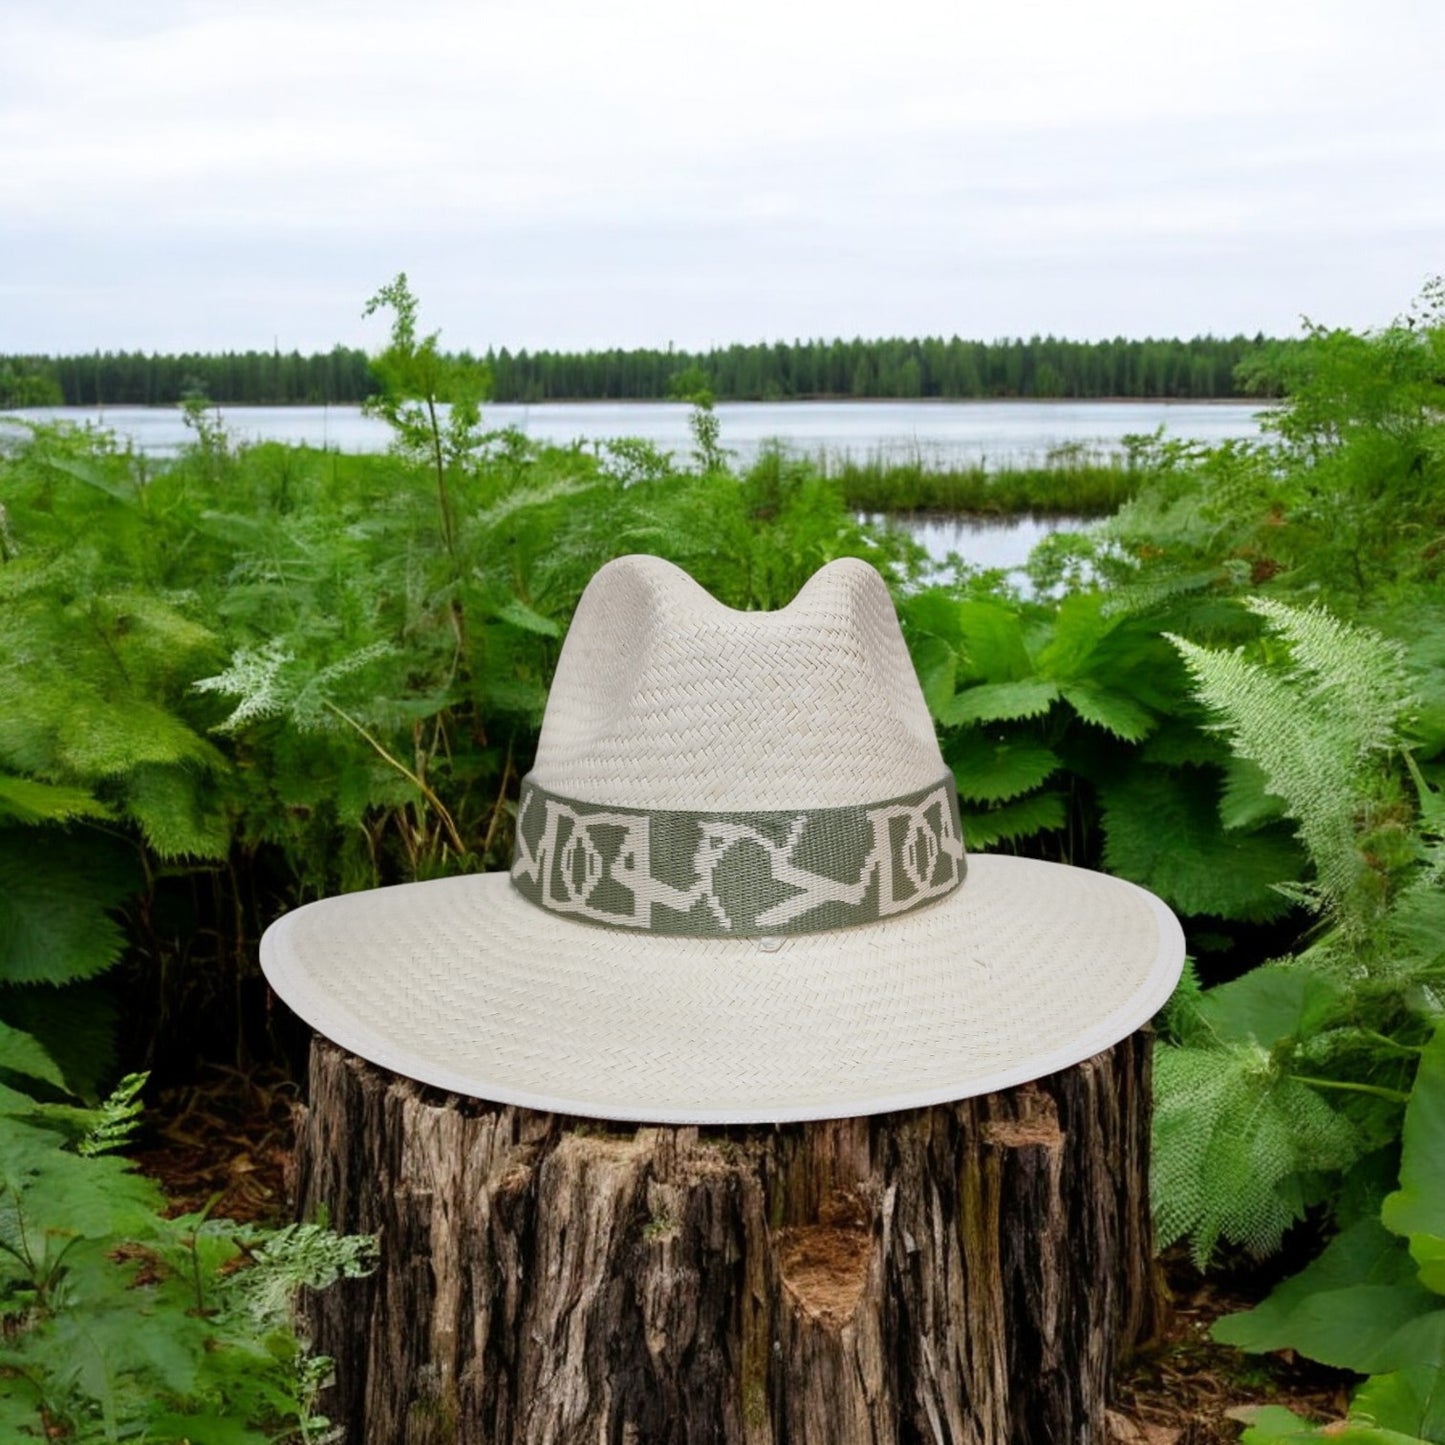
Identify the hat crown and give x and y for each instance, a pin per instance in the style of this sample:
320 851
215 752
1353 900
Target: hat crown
664 698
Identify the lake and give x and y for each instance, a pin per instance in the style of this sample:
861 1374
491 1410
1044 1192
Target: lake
981 541
937 433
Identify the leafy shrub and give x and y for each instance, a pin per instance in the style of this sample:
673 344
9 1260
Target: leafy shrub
117 1322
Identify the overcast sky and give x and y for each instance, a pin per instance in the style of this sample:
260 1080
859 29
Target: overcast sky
584 173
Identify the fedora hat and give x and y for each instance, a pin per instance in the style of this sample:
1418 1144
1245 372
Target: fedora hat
739 893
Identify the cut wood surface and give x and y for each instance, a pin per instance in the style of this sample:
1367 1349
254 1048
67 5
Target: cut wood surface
969 1272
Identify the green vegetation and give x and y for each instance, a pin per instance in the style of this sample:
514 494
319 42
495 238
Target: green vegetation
124 1324
252 676
133 378
1069 485
1202 368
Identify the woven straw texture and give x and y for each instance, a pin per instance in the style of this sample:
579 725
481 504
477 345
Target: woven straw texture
664 699
462 983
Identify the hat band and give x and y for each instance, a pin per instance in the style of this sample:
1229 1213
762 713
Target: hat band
720 874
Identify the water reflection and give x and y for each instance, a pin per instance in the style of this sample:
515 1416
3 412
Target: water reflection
985 542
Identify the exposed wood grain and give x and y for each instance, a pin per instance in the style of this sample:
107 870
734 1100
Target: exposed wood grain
966 1273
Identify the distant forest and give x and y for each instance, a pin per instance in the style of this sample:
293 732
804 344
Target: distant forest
1198 369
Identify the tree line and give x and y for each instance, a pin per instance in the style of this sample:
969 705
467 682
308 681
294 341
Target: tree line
1200 368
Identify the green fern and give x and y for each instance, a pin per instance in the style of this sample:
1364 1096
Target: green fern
1317 722
1237 1142
116 1119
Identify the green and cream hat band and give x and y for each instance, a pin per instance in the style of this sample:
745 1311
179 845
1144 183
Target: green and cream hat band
735 874
738 895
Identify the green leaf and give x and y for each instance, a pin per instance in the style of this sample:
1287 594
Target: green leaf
1270 1003
75 1024
1001 701
933 611
1112 711
1411 1401
1246 801
23 1053
1237 1144
991 642
515 611
1273 1422
937 667
1345 1309
58 890
1161 831
26 801
59 1195
1019 819
176 809
1417 1208
994 770
205 1430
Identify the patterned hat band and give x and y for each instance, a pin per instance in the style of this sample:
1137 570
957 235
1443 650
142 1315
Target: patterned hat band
721 874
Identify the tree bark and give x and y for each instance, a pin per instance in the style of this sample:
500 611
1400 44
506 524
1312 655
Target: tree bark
967 1273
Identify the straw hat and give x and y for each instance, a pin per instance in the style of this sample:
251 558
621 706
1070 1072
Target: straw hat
740 892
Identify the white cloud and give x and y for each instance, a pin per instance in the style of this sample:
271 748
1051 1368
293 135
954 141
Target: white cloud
564 172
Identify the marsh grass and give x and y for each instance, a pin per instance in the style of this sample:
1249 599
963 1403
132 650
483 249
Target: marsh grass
1088 488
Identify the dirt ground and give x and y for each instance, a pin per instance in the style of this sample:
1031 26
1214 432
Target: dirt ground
230 1139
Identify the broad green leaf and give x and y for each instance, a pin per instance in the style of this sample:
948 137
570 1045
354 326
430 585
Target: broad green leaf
1001 701
1019 819
58 889
1270 1003
60 1195
1428 1251
1246 801
992 770
992 643
177 811
1112 711
1344 1309
1273 1422
75 1024
109 1341
1419 1342
937 667
515 611
205 1430
1418 1207
1411 1401
23 1053
26 801
932 611
20 1406
1161 831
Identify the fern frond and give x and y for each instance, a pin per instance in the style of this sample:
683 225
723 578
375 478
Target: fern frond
1355 674
254 678
1235 1142
1315 722
268 684
297 1255
117 1118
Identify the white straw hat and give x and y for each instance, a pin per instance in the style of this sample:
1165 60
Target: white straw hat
740 892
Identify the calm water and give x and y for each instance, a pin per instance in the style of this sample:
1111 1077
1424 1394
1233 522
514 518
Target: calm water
941 434
982 541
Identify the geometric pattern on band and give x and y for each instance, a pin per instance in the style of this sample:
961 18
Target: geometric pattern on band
737 874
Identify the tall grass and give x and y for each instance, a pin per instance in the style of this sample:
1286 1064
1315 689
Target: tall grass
1074 488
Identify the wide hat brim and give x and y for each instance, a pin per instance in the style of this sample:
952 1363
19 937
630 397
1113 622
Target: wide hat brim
464 984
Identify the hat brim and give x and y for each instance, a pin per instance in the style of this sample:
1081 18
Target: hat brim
463 984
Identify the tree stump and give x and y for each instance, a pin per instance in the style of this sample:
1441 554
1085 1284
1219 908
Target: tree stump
969 1272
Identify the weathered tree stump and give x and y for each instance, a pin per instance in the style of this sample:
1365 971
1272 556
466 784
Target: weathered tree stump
968 1272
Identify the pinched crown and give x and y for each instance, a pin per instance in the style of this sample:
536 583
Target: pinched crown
664 698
